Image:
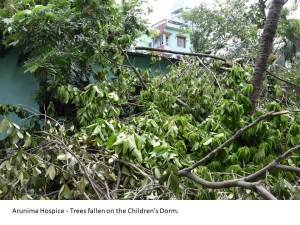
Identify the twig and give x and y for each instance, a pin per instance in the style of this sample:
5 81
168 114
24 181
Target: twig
118 179
146 188
86 196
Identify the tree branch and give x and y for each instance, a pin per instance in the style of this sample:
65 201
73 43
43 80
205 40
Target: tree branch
248 181
95 187
135 167
255 186
209 70
190 110
264 193
202 55
135 71
288 168
213 153
272 165
295 86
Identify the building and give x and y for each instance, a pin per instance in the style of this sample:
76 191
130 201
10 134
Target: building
171 35
179 8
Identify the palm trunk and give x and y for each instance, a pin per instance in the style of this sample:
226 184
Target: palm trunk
266 44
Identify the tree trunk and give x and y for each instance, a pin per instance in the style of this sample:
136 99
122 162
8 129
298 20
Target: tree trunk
266 44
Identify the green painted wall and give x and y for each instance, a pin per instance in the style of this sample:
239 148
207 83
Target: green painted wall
144 62
16 88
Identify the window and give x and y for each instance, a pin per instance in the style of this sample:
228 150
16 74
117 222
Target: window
167 40
181 42
158 41
161 40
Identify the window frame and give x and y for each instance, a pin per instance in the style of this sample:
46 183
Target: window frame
182 38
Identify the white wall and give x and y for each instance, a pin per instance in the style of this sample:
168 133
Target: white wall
173 41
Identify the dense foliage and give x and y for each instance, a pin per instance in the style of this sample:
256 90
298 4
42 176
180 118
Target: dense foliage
123 139
233 28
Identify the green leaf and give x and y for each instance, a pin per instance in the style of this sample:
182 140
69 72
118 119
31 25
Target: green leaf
173 182
110 142
113 96
21 178
137 154
208 142
62 157
157 173
65 192
20 135
81 185
51 172
27 141
135 151
15 138
120 139
140 141
38 8
4 125
220 135
96 131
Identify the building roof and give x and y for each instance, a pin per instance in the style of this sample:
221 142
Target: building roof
168 23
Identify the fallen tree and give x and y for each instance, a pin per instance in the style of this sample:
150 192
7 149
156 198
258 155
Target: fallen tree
131 135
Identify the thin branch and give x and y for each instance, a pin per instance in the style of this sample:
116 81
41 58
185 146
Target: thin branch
213 153
209 70
135 167
295 86
118 182
95 187
135 71
189 108
203 55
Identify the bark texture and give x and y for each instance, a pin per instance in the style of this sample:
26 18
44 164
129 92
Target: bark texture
266 44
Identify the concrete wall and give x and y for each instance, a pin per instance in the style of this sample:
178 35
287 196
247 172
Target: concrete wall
172 45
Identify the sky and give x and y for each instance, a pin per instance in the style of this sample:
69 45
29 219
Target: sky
162 8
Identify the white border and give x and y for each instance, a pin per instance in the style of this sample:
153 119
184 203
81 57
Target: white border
190 212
